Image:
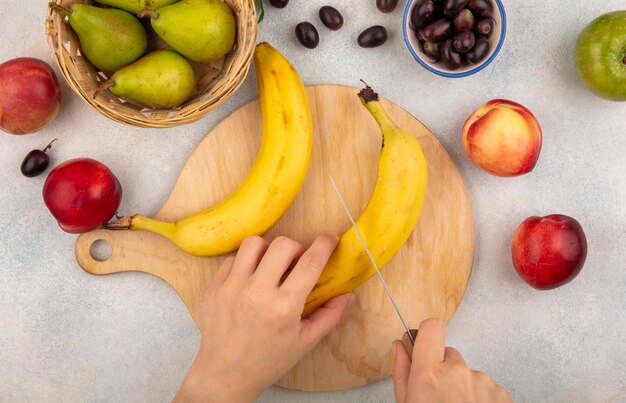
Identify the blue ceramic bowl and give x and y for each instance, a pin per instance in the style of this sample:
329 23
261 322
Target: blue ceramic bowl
497 39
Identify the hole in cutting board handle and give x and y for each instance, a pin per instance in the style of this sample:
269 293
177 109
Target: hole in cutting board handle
100 250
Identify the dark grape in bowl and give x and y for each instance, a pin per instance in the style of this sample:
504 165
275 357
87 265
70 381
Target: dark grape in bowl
424 34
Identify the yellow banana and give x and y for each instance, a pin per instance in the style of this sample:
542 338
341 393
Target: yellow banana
388 218
274 180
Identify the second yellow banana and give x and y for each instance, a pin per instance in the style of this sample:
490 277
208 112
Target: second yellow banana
388 218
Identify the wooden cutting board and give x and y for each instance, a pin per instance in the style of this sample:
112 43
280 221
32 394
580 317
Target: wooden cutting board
428 276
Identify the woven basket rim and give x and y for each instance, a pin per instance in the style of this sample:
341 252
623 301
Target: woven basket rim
83 78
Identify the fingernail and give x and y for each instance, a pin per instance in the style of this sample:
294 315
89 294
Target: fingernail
333 234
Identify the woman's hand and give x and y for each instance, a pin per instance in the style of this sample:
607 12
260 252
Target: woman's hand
437 373
252 331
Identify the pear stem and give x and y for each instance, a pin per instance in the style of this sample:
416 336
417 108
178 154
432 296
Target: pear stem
262 13
104 86
60 9
151 13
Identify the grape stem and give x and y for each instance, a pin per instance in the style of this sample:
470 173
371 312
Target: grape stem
48 146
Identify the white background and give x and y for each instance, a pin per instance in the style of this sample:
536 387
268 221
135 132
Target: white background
69 336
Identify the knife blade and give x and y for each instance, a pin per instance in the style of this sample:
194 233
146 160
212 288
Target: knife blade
409 334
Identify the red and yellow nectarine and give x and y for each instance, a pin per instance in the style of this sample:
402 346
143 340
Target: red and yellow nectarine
503 138
30 96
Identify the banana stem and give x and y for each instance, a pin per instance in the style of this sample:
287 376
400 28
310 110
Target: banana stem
139 222
122 223
369 99
60 9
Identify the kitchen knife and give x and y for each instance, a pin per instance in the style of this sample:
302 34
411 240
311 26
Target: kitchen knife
408 339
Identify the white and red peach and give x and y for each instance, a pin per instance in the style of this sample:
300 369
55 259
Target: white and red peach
30 95
503 138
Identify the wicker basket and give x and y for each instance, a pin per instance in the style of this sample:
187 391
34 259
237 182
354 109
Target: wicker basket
215 81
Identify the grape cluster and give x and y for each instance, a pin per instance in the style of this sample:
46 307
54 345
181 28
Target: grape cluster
454 31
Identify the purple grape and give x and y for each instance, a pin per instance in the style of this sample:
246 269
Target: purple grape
386 6
485 26
307 35
482 8
464 41
438 30
423 13
331 18
372 37
36 162
450 57
452 7
419 34
279 3
479 51
432 49
464 20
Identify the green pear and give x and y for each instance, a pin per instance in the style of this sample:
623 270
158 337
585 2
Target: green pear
135 6
109 38
201 30
160 79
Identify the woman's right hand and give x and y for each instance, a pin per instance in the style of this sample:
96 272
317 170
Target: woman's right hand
437 373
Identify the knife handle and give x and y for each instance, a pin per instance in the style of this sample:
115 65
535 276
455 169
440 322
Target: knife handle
406 342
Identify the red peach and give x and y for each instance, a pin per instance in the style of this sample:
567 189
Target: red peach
82 194
30 96
503 138
550 251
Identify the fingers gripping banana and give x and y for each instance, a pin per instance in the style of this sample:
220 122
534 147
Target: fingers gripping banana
388 218
274 180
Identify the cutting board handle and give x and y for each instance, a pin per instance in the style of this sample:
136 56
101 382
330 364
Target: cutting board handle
149 253
133 251
105 263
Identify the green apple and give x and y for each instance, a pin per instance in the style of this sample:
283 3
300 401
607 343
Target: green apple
600 56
